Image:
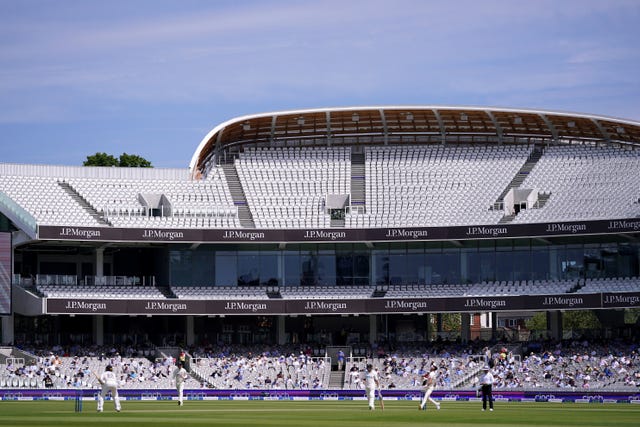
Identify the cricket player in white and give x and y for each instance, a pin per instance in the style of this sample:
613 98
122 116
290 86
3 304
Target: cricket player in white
371 384
428 385
180 375
109 383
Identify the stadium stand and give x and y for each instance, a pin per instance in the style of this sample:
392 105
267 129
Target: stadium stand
295 235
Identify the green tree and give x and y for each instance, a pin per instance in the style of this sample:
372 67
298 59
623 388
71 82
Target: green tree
134 161
125 161
101 159
631 316
538 322
451 322
580 319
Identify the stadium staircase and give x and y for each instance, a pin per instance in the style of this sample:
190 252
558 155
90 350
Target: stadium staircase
517 180
357 179
238 195
336 379
83 203
167 291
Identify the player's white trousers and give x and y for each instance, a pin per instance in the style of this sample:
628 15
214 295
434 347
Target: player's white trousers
427 396
114 395
371 395
180 388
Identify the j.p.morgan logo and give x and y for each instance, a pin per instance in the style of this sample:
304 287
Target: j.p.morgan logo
245 306
566 228
405 305
165 306
624 225
323 305
626 300
484 303
243 235
83 305
79 232
563 301
325 235
162 234
486 231
395 233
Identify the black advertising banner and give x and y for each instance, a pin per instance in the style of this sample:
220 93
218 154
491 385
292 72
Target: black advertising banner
325 306
338 234
169 306
342 306
230 306
563 302
86 306
621 300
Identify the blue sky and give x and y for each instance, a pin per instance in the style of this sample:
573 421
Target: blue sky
152 77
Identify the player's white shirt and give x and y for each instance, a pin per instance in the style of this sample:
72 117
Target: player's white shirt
180 375
370 379
109 379
431 380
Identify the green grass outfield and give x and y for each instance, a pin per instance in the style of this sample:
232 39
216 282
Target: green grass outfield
315 413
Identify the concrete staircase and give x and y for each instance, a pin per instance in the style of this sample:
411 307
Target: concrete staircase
519 178
238 196
336 379
357 180
82 202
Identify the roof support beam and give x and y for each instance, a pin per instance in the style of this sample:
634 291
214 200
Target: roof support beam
497 125
605 134
218 147
552 128
328 116
384 127
272 133
443 132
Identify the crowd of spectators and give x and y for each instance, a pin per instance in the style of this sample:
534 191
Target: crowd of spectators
571 365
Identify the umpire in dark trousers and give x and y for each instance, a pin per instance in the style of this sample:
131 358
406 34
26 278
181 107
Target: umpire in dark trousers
486 383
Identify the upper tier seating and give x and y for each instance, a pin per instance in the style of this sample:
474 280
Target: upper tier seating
585 183
194 204
287 188
46 200
435 185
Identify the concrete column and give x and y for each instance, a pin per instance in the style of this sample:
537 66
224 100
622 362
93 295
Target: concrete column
190 333
494 324
553 263
373 329
428 327
99 262
281 334
7 330
98 329
465 327
554 324
463 266
438 324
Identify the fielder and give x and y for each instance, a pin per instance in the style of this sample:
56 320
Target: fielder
371 384
109 383
428 384
180 375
